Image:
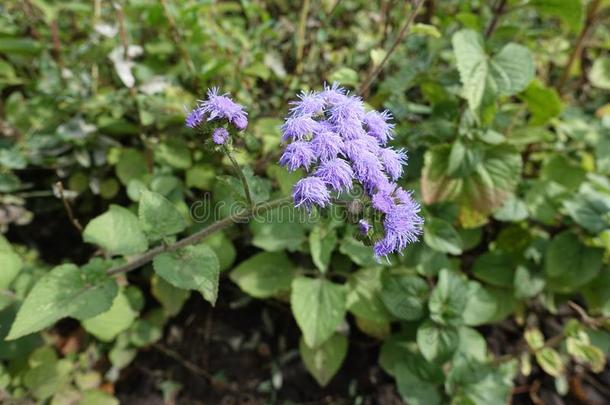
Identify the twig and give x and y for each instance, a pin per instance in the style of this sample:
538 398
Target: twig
73 220
240 174
184 362
300 39
401 35
498 11
580 43
178 41
197 236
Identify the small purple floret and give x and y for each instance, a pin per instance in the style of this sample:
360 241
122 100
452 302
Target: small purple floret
296 155
220 136
310 191
364 227
337 174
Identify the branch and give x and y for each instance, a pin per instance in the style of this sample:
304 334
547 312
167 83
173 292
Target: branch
401 35
301 35
68 207
240 174
579 45
245 214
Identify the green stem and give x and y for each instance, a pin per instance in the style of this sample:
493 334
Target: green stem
244 214
240 174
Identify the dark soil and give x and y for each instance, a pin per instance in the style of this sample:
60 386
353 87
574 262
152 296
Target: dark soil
247 355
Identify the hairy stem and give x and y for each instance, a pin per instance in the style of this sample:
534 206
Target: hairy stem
401 35
301 35
240 174
242 215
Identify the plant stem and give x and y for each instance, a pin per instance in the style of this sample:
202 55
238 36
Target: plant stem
240 174
497 11
301 35
403 32
244 214
579 45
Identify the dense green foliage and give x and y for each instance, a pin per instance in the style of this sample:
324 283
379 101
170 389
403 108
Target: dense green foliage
504 109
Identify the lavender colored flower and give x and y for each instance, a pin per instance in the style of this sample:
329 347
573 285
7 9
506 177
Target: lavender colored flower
215 108
364 227
194 118
218 106
337 174
220 135
297 154
299 127
309 104
331 131
310 191
393 161
327 145
377 125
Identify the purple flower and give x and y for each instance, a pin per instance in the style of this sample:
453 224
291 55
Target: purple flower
309 104
299 127
364 227
377 125
393 161
220 136
194 118
331 131
327 145
337 174
310 191
218 107
383 202
297 154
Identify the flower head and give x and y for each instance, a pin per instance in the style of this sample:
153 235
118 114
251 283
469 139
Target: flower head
217 107
297 154
299 127
310 191
330 132
336 173
220 135
377 125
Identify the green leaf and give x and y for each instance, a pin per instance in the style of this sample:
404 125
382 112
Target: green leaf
570 11
158 216
44 379
590 209
599 75
513 210
426 29
364 295
224 249
569 264
264 275
170 297
528 283
564 171
441 236
324 361
191 268
11 264
550 361
345 76
481 306
449 298
278 229
484 191
64 291
472 64
404 296
534 338
437 343
107 325
359 253
495 268
131 165
322 243
117 231
472 345
543 102
512 69
20 46
413 389
174 152
318 306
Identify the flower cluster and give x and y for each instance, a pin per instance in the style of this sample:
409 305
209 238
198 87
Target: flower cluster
218 107
333 138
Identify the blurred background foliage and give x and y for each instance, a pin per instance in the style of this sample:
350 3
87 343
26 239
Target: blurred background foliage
504 107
